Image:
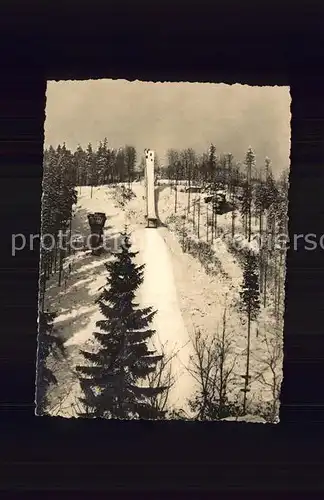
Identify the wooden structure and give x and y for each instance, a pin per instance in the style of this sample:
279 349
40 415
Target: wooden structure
97 222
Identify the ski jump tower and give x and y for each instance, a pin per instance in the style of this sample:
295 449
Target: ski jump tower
150 191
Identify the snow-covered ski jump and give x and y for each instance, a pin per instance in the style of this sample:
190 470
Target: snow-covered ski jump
150 191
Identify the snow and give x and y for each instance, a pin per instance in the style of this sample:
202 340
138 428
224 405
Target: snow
175 284
160 292
246 418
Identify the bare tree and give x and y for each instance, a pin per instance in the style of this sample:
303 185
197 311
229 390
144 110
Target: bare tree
212 366
270 373
162 376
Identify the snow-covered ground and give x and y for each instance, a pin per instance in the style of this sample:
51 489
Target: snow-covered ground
175 284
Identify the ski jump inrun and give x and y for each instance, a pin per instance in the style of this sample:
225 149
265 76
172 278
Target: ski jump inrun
150 189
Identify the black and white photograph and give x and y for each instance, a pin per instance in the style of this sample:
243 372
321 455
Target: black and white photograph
164 222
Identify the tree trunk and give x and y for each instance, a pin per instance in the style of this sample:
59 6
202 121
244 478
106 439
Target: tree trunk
250 218
207 226
212 225
183 235
233 188
261 252
222 383
245 225
198 227
215 223
233 223
50 266
47 274
42 292
275 267
61 263
194 215
265 277
247 373
55 255
278 319
70 238
189 186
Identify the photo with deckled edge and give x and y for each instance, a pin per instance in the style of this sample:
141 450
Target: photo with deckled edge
163 251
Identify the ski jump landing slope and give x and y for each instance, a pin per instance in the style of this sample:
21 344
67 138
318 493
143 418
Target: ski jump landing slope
159 290
150 193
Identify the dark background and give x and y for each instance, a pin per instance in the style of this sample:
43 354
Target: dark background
257 43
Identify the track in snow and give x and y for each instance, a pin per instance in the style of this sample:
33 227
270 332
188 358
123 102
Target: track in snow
159 291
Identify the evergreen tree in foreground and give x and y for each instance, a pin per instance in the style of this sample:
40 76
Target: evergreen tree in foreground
48 343
114 383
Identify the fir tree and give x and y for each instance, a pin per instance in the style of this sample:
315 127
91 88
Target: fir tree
250 305
91 167
232 187
130 160
101 163
250 163
114 384
212 165
120 165
58 197
48 343
245 207
271 193
80 160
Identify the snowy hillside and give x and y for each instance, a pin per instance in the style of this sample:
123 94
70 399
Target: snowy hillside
188 294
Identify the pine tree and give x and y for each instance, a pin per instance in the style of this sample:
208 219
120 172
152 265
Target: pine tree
111 166
130 160
157 168
80 160
270 189
259 194
250 305
245 207
188 159
232 187
223 171
250 163
49 201
101 163
107 163
173 164
204 169
114 385
120 165
91 167
65 197
48 343
214 174
280 207
212 165
58 197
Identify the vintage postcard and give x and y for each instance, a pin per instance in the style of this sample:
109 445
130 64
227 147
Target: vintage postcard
163 251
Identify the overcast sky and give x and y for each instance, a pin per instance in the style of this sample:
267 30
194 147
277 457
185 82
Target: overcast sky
160 116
